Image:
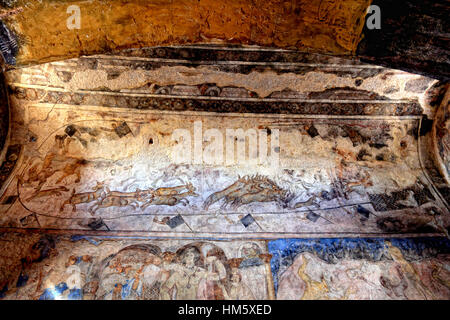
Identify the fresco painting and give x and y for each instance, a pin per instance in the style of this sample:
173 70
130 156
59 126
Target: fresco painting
79 268
367 269
336 197
84 268
92 172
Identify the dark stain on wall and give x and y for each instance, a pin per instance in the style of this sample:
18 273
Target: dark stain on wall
413 37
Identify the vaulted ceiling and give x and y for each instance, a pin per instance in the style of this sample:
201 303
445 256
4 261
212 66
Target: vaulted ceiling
355 120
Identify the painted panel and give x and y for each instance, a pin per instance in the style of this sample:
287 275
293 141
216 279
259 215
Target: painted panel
81 268
115 171
341 269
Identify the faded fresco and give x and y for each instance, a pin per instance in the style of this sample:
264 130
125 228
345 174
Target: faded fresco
341 138
108 191
86 268
349 269
81 268
114 171
92 171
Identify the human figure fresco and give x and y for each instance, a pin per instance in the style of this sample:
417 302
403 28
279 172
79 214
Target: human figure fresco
152 277
314 289
210 288
196 271
120 274
251 268
110 287
440 272
364 269
186 279
72 287
237 290
395 284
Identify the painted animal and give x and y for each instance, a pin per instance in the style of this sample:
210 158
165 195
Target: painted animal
247 190
55 161
139 195
306 203
121 199
72 167
99 192
114 201
37 173
170 196
41 173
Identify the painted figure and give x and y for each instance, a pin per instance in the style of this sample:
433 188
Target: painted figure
184 281
237 290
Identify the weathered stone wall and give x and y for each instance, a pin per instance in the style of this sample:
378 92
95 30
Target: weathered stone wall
325 26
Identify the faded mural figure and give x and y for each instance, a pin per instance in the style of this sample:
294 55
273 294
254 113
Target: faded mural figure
75 282
395 286
252 269
152 277
364 269
237 290
440 272
314 290
405 270
55 161
290 285
115 201
170 196
210 287
72 287
184 281
100 191
310 278
110 287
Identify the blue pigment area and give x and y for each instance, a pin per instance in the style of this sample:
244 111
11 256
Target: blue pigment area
284 251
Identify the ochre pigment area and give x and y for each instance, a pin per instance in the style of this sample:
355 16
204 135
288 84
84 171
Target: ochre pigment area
325 26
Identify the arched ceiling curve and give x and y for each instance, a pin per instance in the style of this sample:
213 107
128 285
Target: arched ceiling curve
332 27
